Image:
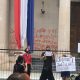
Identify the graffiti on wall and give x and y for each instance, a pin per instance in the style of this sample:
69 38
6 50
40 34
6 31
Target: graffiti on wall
12 40
42 38
45 36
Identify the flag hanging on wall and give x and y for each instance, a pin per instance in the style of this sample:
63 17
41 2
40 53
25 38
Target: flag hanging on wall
30 23
24 22
17 22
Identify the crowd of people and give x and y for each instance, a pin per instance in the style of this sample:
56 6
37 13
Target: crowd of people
22 67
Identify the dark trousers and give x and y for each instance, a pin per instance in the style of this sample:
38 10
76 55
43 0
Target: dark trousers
46 74
28 69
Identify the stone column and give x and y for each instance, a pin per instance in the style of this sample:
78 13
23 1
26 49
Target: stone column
3 33
64 25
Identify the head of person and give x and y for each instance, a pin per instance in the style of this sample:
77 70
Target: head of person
47 48
27 50
64 55
20 59
18 76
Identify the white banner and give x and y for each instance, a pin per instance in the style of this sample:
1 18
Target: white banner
65 64
78 47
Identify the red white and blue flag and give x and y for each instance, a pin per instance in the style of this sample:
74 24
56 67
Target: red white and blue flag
24 22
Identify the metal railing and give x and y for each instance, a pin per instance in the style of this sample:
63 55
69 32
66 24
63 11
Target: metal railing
8 58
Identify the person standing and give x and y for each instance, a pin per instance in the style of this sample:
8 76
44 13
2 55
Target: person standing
65 74
47 73
28 60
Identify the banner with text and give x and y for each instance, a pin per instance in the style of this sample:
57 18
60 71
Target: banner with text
65 64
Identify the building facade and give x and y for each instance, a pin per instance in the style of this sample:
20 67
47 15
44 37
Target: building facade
58 27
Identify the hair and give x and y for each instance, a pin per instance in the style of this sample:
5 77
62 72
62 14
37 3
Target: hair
48 48
64 55
19 66
20 59
26 50
18 76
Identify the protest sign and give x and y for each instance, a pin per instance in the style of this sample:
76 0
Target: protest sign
65 64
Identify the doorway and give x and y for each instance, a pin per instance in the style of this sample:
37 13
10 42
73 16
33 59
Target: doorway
75 26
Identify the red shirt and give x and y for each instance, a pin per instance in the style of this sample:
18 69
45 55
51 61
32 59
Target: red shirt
27 58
